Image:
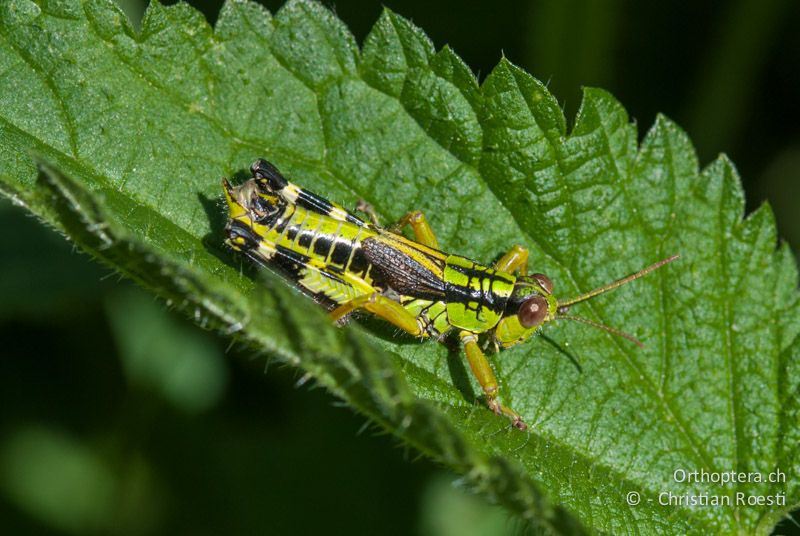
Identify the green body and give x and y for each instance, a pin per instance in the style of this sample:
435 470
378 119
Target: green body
335 256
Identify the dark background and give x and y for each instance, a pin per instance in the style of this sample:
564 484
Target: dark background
140 423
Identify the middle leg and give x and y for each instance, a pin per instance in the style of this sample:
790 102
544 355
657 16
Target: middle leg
419 224
515 258
483 373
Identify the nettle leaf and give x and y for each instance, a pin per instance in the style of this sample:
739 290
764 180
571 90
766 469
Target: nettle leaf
119 139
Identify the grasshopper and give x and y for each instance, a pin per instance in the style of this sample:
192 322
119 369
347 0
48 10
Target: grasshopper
349 264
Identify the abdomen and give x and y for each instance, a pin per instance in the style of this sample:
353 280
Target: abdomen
323 256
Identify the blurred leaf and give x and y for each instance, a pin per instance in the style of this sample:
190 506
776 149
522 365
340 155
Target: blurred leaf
731 71
448 511
58 479
68 485
134 9
137 128
65 280
779 183
587 57
159 353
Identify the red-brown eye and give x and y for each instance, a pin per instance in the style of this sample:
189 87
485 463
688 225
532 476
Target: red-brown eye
544 282
532 311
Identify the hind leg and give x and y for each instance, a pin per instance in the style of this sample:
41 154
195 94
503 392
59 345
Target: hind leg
382 307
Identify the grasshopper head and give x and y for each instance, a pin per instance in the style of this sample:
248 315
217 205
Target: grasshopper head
531 305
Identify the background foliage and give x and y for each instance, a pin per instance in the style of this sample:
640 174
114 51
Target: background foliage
136 440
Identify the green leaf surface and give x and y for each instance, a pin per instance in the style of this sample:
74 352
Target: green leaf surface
119 139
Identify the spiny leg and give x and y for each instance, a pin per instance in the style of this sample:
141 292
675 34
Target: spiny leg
483 373
419 224
515 258
382 307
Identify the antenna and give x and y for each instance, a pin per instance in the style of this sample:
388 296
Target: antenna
563 306
598 325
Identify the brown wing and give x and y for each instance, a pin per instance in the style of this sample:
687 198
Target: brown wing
409 268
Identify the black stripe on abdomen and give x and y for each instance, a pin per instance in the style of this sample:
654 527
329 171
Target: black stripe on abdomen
341 252
322 245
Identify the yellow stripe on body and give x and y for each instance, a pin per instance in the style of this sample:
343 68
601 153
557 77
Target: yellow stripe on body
335 234
290 193
432 259
314 280
353 243
326 228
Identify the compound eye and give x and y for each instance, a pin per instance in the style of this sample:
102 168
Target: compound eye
544 282
532 311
